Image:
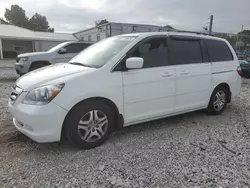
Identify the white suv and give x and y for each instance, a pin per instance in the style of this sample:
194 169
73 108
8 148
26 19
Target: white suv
61 53
125 80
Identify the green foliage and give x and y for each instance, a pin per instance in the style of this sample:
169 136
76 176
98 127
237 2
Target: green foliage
16 15
39 23
244 36
2 21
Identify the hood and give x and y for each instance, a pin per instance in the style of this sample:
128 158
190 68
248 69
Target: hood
31 54
49 73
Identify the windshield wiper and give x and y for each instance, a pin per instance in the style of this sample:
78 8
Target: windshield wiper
76 63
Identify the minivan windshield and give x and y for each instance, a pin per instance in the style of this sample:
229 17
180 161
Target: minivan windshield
100 53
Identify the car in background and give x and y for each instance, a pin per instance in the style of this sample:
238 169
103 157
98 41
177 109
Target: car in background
245 68
61 53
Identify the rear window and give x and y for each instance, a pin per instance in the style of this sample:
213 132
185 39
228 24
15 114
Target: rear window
218 51
185 52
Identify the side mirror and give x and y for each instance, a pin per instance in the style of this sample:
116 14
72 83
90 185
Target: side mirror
134 63
62 51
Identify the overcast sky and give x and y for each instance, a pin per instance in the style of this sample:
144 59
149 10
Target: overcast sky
75 15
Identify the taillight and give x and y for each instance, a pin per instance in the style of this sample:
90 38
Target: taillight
239 70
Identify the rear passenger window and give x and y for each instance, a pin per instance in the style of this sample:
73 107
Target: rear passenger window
185 51
218 51
153 51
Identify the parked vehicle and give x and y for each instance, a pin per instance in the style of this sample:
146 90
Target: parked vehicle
61 53
245 68
125 80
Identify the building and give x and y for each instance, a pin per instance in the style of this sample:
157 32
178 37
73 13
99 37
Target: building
15 40
100 32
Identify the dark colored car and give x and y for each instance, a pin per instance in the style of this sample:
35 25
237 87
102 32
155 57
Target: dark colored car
245 68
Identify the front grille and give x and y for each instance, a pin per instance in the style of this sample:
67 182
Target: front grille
16 92
18 59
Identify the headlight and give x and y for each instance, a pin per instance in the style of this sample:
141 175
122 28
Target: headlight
43 95
24 58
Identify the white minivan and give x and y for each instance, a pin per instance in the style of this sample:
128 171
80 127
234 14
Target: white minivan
125 80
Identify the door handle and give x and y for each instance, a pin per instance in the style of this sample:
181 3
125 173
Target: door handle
184 73
167 74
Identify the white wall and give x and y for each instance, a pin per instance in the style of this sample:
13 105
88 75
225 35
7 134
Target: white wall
40 46
121 28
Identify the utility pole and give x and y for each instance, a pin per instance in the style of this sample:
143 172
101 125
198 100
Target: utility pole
211 24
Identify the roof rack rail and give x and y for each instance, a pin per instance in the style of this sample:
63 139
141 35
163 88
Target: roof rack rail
194 32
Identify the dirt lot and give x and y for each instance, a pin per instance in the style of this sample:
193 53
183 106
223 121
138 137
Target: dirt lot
190 150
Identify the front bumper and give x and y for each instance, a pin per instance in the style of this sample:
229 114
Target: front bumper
22 67
42 124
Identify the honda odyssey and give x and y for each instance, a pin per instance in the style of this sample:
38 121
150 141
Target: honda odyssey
125 80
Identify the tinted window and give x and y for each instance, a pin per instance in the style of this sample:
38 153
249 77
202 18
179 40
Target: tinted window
73 48
185 51
83 46
101 52
218 51
153 51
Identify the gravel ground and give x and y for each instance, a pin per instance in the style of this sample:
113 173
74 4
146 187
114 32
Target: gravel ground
190 150
7 73
7 63
7 70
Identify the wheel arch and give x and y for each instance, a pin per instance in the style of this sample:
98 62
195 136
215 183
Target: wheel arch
227 87
35 62
119 121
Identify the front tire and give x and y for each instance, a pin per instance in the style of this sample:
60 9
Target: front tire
89 124
218 101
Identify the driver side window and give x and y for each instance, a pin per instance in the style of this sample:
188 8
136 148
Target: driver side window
153 51
73 48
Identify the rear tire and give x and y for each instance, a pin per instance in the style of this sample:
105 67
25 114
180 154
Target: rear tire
218 101
89 124
38 65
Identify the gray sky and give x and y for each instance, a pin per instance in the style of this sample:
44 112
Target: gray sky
75 15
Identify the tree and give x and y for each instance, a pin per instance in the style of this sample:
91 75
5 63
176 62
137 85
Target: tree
100 22
16 15
2 21
244 36
39 23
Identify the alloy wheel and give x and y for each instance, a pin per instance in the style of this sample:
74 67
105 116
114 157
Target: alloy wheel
219 100
93 126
